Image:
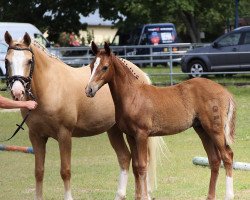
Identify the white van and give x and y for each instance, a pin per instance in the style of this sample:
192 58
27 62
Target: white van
17 31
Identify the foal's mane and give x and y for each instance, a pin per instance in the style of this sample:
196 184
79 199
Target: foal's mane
127 64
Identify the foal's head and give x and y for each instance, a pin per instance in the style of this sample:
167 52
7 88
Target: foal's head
18 62
101 69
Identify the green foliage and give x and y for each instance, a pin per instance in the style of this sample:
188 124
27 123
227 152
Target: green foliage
56 16
190 16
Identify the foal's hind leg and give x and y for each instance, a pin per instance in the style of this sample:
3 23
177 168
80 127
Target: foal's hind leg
227 158
213 157
123 154
39 146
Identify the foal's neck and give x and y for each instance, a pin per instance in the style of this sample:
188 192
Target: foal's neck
123 83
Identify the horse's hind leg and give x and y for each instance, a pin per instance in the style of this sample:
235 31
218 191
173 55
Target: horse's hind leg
123 154
65 143
213 157
39 146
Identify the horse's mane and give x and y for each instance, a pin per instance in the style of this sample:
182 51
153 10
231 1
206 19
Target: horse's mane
44 49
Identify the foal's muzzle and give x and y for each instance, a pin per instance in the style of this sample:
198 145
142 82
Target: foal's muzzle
89 92
91 89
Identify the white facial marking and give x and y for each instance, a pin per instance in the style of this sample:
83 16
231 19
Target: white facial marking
96 64
229 188
17 63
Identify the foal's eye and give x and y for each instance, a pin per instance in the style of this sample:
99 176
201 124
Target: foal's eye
105 68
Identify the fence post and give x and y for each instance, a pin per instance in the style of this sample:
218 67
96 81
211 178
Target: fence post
171 65
151 57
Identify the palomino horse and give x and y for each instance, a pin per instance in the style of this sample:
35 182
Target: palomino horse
63 109
144 110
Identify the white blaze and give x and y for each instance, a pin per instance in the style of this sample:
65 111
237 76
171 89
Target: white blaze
96 64
17 63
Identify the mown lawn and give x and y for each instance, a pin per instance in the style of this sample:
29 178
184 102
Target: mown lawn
95 169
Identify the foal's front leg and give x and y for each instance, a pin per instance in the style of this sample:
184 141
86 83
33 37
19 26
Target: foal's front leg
39 146
64 141
142 151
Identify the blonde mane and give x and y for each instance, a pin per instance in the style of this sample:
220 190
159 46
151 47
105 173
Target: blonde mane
44 49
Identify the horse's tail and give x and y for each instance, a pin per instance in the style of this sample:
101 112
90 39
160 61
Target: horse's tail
230 122
157 148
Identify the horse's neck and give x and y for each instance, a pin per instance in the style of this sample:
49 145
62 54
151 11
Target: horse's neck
45 70
123 83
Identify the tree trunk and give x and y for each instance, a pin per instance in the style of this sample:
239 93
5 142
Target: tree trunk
191 25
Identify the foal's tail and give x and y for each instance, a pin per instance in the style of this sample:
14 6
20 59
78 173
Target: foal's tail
230 122
157 148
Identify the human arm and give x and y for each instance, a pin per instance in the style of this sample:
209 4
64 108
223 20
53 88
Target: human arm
9 104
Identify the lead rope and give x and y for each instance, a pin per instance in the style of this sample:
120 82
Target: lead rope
18 127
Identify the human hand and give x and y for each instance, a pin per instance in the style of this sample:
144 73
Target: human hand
31 105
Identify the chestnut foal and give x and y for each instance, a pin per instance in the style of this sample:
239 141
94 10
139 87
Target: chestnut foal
144 110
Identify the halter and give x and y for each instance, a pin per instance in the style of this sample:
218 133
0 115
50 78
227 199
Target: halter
26 81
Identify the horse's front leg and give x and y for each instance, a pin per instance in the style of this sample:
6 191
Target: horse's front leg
64 140
39 146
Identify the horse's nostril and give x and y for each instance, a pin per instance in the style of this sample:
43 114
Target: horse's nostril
22 92
90 90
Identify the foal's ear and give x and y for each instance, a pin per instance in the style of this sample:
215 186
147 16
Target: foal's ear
94 48
106 47
26 39
8 38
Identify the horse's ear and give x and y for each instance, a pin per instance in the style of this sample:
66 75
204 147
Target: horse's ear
26 39
94 48
106 47
8 38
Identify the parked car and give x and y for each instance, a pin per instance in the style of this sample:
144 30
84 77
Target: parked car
3 51
228 53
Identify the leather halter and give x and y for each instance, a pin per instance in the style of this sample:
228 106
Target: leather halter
26 81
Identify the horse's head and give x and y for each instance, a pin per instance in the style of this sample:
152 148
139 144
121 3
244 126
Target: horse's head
101 69
19 63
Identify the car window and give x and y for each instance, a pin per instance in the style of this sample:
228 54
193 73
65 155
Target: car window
39 38
247 38
230 40
3 48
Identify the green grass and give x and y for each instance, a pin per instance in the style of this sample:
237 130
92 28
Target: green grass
95 169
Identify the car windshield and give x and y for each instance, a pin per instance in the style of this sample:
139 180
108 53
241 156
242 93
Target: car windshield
3 48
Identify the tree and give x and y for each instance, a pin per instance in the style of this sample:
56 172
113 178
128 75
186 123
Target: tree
190 16
56 16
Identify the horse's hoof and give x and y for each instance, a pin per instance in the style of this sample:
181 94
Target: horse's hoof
229 197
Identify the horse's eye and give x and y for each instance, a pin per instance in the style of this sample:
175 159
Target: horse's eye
30 61
105 68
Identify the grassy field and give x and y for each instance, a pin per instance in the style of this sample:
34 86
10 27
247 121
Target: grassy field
95 169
